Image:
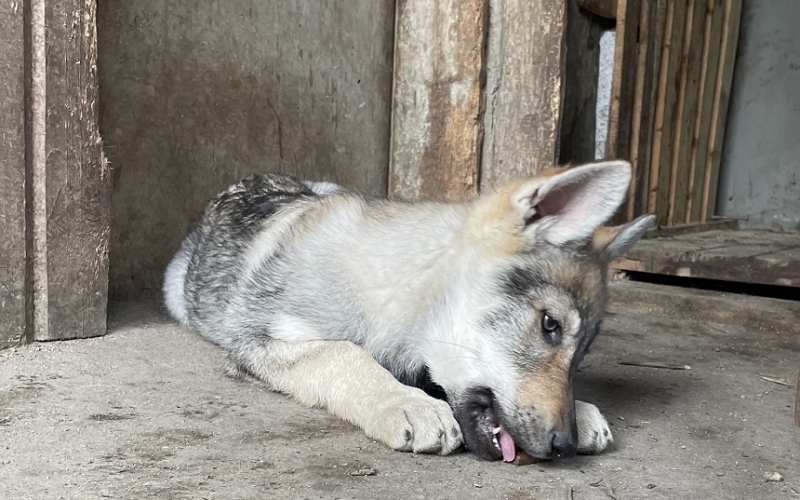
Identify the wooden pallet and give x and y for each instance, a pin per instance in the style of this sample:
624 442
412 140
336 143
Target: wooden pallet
747 256
672 78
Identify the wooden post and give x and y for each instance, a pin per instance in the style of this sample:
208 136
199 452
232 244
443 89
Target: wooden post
525 86
54 277
77 186
12 176
436 120
486 99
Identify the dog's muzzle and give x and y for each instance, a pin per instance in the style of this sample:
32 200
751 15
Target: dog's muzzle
488 435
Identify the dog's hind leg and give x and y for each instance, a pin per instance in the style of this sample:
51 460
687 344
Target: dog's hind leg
345 379
594 434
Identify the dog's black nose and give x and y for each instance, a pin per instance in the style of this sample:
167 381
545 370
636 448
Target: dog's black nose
564 445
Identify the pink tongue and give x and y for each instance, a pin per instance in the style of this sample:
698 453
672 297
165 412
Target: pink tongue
507 445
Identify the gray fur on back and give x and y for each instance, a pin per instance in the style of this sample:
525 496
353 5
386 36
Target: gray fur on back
215 247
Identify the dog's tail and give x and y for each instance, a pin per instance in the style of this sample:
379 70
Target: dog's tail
175 280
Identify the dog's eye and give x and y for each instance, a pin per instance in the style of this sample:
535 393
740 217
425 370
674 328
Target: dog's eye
551 329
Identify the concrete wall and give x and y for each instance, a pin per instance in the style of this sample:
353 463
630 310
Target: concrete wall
760 172
197 93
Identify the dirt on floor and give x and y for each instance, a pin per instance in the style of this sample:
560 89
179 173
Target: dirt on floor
146 412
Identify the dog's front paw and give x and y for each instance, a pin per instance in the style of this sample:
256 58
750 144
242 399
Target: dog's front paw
594 434
410 420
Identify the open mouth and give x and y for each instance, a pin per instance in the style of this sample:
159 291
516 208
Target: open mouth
483 429
503 442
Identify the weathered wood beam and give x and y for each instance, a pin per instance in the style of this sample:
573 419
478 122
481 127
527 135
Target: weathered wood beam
436 118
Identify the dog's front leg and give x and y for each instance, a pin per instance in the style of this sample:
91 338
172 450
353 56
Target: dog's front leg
594 434
345 379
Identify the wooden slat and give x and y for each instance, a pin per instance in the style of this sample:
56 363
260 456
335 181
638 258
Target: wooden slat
711 53
77 181
436 126
669 81
581 70
12 177
691 62
730 39
651 35
525 85
623 84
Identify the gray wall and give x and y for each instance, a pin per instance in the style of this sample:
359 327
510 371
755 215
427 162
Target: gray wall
197 93
760 171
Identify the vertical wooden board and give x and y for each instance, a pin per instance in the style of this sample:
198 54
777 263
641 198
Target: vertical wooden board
650 45
581 70
436 115
669 81
12 176
691 61
525 63
719 113
708 79
198 93
77 183
623 84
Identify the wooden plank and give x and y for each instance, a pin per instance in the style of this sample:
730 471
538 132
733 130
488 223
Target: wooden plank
77 185
746 256
197 93
651 36
525 85
722 92
669 81
581 71
692 228
685 119
603 8
711 54
436 116
623 83
12 177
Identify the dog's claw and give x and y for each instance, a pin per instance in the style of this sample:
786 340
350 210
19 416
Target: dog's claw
413 421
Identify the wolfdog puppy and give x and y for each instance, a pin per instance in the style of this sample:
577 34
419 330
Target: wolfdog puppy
352 304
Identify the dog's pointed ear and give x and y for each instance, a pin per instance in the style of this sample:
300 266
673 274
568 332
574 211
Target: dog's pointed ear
571 204
613 242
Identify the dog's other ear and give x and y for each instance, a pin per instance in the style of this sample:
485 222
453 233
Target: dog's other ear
615 241
571 204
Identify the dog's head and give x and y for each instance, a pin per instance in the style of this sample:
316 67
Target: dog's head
536 292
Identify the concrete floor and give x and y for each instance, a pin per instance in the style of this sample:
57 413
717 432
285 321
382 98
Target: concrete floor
146 413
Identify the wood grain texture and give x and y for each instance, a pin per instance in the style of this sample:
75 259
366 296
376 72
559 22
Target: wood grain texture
581 70
198 93
77 181
651 36
436 115
708 77
623 84
669 81
12 177
719 113
524 91
744 256
685 118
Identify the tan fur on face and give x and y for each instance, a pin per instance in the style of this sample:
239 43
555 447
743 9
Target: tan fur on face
547 388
